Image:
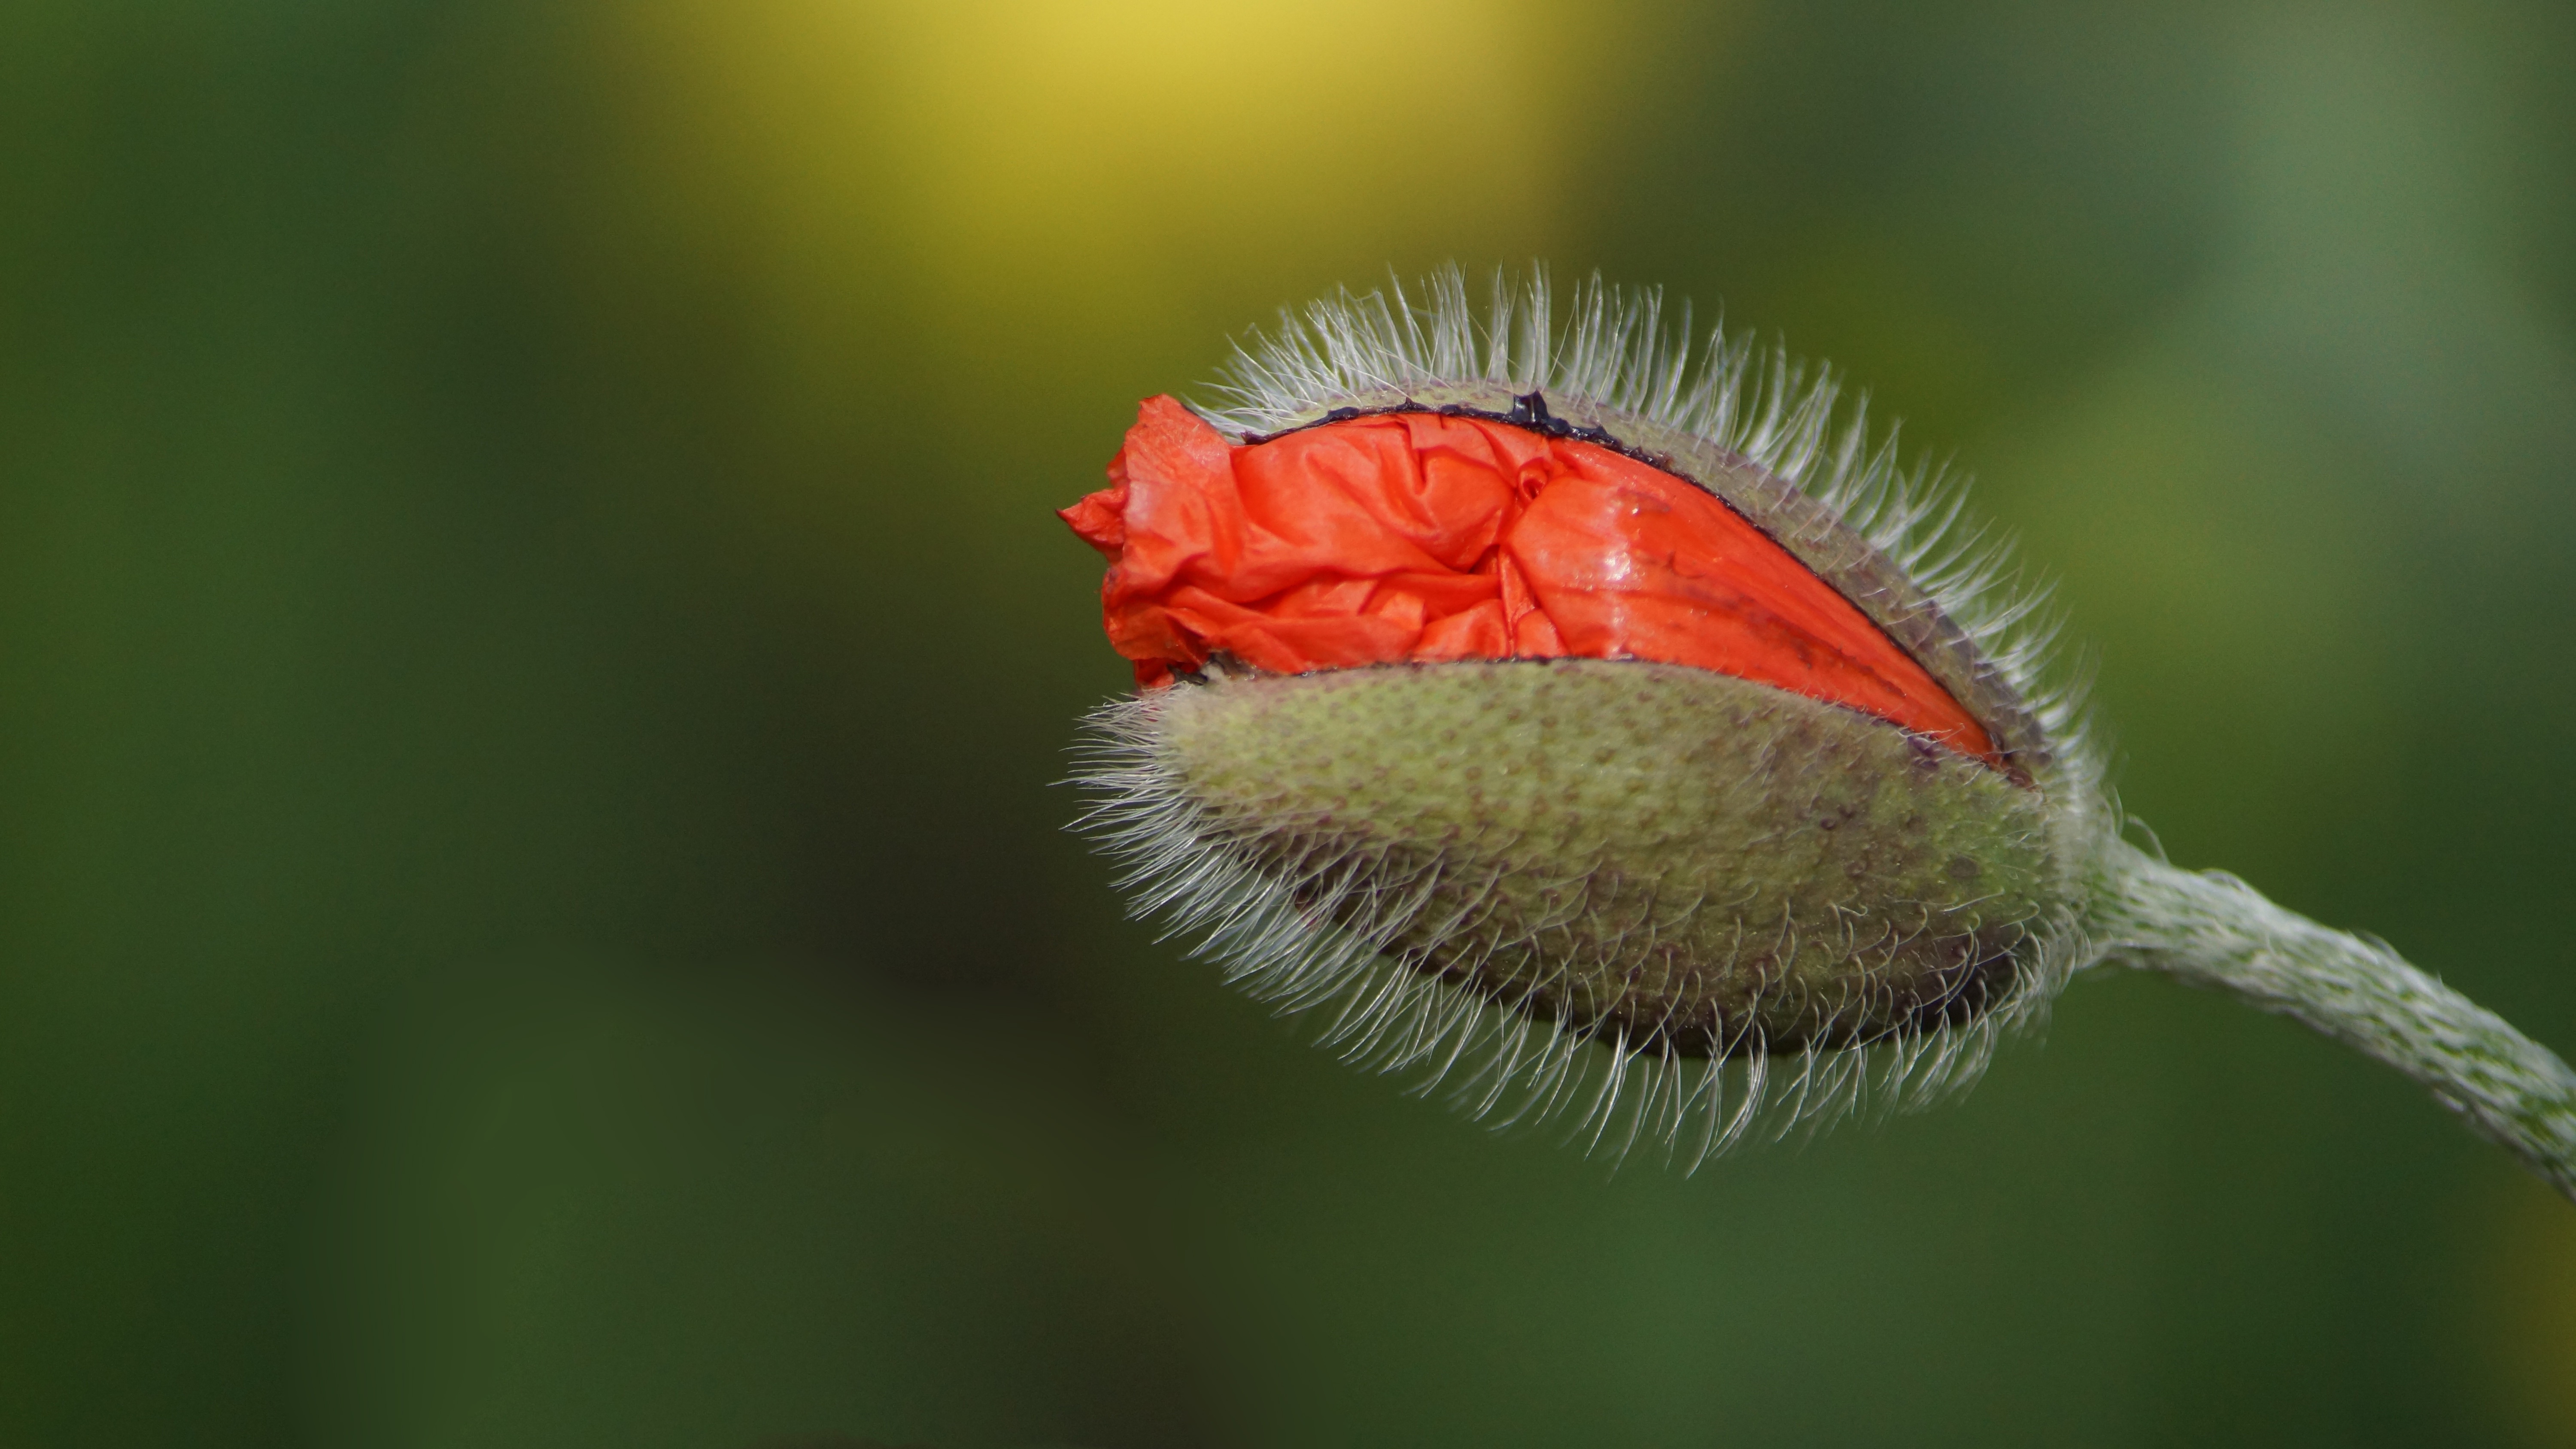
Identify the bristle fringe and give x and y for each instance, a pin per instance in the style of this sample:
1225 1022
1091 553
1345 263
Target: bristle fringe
1321 935
1623 349
1320 938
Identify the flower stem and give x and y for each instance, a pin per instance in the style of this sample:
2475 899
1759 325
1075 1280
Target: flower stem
2210 929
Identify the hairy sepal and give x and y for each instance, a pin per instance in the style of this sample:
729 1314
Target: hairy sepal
1487 867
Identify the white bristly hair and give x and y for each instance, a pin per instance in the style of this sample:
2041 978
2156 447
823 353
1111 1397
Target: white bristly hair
1318 941
1319 938
1622 351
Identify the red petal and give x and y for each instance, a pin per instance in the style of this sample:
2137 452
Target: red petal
1418 536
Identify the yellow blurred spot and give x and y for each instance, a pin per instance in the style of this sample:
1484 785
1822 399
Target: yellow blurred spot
1042 211
982 146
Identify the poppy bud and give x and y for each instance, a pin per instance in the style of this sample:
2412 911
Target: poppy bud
1506 691
1605 731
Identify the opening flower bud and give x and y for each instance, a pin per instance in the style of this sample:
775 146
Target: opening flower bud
1593 725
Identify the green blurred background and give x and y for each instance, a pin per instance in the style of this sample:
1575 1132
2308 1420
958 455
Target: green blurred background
532 910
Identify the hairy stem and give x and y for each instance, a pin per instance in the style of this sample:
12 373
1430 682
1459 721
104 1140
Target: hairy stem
2213 930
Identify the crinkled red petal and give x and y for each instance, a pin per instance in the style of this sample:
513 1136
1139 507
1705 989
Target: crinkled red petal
1421 537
